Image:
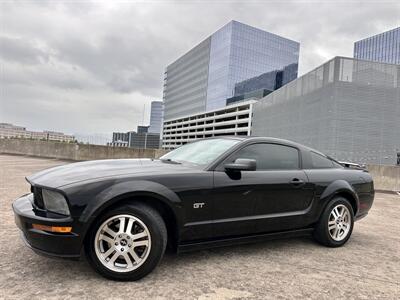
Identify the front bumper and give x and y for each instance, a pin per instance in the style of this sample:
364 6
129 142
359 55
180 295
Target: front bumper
43 242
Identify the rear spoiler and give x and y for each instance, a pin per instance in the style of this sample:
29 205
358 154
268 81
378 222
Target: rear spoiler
351 165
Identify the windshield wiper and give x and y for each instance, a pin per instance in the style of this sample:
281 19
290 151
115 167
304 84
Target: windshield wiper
168 160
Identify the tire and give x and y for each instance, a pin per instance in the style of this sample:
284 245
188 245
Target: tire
336 223
131 252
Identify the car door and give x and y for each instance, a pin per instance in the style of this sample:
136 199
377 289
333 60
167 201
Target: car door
233 204
265 200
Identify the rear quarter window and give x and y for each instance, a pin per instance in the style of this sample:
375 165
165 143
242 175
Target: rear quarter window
321 162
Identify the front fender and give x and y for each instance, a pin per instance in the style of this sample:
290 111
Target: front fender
115 192
87 201
339 187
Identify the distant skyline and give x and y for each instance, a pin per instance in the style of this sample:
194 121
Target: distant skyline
89 67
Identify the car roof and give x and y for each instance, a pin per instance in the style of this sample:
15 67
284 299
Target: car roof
267 140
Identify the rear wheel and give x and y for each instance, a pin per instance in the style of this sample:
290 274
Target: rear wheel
127 243
336 223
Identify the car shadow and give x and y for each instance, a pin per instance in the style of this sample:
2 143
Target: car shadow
171 262
243 250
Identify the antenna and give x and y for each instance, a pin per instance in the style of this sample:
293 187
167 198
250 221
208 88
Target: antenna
144 106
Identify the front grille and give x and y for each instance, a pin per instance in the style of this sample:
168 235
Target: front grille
37 197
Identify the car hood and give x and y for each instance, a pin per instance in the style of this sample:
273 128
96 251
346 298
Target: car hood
89 170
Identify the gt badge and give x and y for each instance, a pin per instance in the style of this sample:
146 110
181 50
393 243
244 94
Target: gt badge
198 205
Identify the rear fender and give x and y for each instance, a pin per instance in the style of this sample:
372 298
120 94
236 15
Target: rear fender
339 187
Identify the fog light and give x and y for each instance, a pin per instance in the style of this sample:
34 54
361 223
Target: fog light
59 229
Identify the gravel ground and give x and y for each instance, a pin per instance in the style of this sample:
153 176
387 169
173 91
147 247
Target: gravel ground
367 267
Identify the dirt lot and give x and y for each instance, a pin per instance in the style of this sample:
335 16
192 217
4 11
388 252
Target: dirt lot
368 267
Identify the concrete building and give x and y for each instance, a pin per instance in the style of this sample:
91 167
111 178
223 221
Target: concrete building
205 77
156 117
8 130
58 136
347 108
11 126
234 119
383 47
119 139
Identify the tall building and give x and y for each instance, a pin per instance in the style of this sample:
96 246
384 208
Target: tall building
347 108
156 117
205 77
383 47
260 86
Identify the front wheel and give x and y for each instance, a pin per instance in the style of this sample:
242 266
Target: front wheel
336 223
127 243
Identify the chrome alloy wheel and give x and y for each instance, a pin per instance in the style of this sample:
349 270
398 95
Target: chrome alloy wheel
339 222
122 243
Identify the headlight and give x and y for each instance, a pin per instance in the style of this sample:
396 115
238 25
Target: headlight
55 202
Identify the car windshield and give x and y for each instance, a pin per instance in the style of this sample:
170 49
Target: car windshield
201 152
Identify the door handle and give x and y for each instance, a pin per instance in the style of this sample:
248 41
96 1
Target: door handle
297 182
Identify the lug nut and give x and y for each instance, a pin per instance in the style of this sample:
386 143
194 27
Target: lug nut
128 237
120 236
116 244
129 245
122 249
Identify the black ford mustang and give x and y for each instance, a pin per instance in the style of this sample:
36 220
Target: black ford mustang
212 192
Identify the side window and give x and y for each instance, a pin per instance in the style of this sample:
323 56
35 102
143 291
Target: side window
270 156
320 162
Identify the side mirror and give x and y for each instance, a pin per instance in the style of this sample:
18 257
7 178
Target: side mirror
242 164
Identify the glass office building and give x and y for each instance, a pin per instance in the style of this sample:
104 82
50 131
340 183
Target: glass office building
260 86
346 108
383 47
156 117
205 77
142 139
